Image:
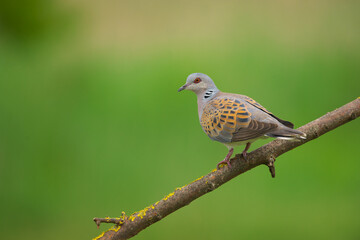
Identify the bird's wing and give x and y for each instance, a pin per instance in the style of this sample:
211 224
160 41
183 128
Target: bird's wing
257 105
227 119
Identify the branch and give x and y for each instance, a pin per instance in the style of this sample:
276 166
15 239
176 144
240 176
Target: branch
127 227
118 221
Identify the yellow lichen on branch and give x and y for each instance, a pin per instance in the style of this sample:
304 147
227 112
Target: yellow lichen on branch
114 228
168 196
98 237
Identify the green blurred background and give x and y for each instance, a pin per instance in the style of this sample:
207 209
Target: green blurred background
91 122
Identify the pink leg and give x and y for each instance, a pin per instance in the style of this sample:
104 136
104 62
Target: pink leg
245 150
227 159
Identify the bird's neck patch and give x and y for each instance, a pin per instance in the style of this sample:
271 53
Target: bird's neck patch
209 93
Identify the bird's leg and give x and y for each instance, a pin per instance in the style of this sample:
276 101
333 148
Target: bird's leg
245 150
227 158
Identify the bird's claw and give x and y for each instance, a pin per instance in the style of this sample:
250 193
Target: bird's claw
244 155
227 159
223 162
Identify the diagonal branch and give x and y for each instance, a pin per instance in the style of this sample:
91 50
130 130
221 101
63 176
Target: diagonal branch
128 226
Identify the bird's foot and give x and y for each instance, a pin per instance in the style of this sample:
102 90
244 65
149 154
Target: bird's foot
244 153
227 159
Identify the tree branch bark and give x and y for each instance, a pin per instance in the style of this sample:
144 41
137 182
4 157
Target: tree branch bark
128 226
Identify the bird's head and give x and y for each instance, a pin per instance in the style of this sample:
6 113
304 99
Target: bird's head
198 83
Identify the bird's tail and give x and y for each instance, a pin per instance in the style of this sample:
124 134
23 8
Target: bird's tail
287 134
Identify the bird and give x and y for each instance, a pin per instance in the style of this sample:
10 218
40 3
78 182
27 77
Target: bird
235 119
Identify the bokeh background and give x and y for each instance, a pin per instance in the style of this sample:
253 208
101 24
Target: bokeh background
91 122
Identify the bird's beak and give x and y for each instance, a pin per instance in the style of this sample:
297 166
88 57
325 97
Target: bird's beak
183 87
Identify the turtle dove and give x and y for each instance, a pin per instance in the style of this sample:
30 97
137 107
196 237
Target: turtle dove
234 119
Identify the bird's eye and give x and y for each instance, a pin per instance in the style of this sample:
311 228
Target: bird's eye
197 80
